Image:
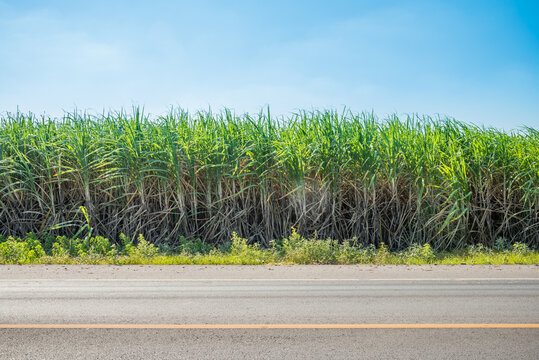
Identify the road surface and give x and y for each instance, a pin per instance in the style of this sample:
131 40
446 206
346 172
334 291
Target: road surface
276 312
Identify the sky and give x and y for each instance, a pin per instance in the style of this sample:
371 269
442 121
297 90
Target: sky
476 61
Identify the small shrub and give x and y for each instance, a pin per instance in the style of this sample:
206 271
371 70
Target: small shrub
126 245
245 253
97 246
17 251
417 254
520 249
12 252
59 251
48 241
351 252
67 246
501 244
477 250
144 249
193 247
298 250
382 254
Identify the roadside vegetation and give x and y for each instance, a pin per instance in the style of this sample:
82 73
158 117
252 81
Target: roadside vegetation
292 250
404 183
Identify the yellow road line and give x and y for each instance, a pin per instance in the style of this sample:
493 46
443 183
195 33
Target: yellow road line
268 326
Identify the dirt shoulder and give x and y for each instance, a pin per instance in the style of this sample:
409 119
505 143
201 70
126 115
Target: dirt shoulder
267 271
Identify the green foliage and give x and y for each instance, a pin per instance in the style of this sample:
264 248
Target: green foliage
98 246
126 245
67 246
243 253
17 251
417 254
193 247
298 250
382 256
501 244
144 249
520 249
294 249
48 241
338 174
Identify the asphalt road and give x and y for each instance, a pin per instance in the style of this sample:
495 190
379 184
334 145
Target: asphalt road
333 312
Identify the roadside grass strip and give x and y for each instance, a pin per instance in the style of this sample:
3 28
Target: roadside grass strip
294 249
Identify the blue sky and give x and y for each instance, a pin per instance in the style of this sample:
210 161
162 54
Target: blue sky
477 61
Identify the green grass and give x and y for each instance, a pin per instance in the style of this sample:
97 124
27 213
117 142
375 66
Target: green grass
292 250
341 175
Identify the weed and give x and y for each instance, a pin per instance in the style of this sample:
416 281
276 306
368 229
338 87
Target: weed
294 249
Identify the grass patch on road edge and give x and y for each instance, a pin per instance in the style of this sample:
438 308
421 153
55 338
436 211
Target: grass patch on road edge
292 250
